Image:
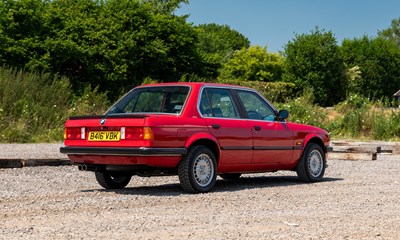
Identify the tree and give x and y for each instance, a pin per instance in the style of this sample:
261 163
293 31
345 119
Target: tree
22 32
393 32
166 6
378 60
314 61
216 43
253 63
115 44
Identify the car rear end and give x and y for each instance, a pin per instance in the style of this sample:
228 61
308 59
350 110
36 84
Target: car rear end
124 138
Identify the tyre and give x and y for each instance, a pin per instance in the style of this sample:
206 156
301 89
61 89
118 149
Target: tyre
311 166
230 176
112 181
198 170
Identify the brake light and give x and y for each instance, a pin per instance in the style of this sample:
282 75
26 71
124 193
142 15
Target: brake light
74 133
136 133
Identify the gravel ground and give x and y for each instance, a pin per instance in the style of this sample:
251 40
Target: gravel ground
357 200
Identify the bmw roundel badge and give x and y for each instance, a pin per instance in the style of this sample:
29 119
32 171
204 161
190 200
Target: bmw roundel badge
102 121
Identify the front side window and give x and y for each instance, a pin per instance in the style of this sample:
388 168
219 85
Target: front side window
217 102
167 99
255 107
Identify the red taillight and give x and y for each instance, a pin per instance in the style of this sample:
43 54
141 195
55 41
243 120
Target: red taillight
74 133
136 133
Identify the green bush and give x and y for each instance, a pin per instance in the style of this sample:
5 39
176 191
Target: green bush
356 118
361 118
353 102
31 104
34 107
385 125
89 102
353 113
302 110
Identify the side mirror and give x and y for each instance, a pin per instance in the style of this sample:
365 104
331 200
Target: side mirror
283 114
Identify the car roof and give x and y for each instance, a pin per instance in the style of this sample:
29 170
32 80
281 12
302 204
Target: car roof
193 84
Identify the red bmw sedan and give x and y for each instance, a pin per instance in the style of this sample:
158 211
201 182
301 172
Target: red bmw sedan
196 131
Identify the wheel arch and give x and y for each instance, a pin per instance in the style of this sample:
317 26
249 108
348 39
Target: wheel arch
206 140
314 138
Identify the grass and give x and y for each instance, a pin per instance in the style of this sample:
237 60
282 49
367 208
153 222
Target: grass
355 118
34 107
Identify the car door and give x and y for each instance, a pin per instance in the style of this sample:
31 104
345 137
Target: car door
234 136
272 139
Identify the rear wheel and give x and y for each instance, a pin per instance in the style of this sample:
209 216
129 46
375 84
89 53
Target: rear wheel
311 167
112 180
198 170
230 176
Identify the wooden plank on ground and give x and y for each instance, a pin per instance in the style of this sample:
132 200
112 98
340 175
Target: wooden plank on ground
351 156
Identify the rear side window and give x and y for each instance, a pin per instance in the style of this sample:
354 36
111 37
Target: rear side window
168 99
217 102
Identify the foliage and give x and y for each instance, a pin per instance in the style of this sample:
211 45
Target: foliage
392 33
273 91
101 49
302 110
353 102
34 107
22 33
353 75
217 42
88 102
378 60
113 44
353 114
356 117
314 61
166 6
385 125
255 64
360 118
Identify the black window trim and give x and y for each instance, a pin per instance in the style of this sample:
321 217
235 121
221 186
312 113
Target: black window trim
236 101
262 98
239 104
235 105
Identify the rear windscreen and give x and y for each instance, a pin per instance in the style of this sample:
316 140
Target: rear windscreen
167 99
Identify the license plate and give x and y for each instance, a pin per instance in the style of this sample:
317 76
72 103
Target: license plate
104 136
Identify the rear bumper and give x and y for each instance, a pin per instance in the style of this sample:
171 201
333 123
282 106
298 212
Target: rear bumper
118 151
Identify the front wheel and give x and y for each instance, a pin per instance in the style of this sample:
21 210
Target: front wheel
112 181
311 167
198 170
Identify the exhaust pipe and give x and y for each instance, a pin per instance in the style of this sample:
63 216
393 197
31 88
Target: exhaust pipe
82 167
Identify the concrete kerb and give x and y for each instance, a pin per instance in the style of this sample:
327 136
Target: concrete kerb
19 163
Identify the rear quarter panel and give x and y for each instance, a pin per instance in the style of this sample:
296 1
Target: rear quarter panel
175 131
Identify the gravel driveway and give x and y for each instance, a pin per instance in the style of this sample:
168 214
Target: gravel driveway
357 200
